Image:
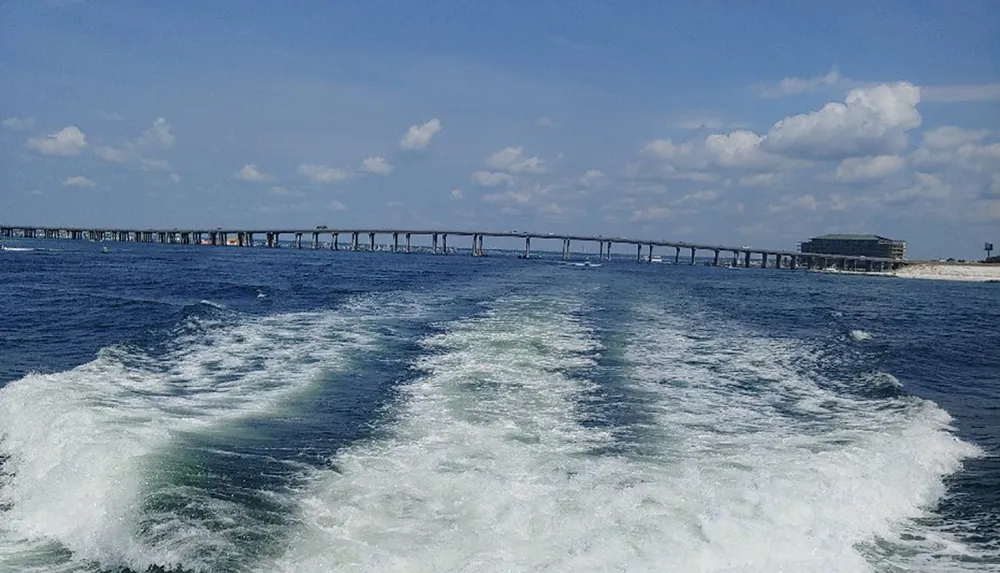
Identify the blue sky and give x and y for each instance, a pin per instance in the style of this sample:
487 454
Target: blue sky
758 123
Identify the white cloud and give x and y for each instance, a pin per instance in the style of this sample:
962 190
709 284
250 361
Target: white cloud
954 147
926 186
546 122
961 93
78 181
158 136
251 173
489 179
376 165
591 177
699 196
155 164
762 180
419 136
67 142
551 209
793 86
337 206
511 159
111 154
457 194
650 214
519 197
948 136
323 174
870 122
857 169
18 123
793 203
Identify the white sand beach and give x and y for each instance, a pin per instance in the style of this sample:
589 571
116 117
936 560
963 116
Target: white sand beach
950 272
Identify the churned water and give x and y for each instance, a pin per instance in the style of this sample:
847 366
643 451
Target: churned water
175 408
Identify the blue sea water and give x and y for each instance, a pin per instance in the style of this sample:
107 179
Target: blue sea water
220 409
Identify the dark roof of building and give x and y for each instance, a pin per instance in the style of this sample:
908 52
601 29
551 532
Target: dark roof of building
848 237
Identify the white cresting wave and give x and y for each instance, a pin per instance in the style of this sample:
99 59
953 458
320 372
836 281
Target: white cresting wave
81 445
487 465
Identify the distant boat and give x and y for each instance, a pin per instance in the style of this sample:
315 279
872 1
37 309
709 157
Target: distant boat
105 250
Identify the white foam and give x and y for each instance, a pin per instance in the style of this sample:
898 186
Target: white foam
859 335
486 467
748 465
776 470
82 444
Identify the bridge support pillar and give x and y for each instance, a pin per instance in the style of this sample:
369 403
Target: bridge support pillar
715 258
434 243
763 260
565 253
692 255
677 255
649 254
407 242
444 244
371 242
298 240
315 240
395 242
638 253
527 247
354 241
746 259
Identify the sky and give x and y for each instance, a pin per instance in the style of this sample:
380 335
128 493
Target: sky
727 122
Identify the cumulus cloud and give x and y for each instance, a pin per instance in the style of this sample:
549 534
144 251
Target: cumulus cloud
78 181
158 135
925 186
457 194
951 147
18 123
323 173
336 206
490 179
870 122
250 173
419 136
67 142
858 169
512 159
377 165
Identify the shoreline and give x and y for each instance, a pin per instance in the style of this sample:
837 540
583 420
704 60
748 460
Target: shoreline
937 271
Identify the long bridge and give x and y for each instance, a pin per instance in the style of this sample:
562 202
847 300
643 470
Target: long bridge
439 243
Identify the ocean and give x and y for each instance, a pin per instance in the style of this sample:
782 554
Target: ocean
214 409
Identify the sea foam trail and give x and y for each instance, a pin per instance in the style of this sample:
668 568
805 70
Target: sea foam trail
82 446
486 466
774 466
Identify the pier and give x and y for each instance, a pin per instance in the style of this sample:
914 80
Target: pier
401 242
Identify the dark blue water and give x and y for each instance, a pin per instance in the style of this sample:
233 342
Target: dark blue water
220 409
